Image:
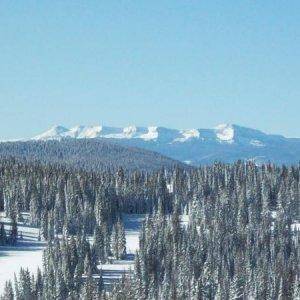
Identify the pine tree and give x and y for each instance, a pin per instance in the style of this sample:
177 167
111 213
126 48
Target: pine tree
100 284
88 289
61 288
99 244
8 293
14 230
121 240
3 238
17 290
114 242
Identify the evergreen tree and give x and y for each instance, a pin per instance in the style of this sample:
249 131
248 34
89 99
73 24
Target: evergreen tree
8 293
14 230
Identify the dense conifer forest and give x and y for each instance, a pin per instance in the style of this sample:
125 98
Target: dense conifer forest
241 240
88 154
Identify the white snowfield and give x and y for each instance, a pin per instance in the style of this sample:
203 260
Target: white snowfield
27 254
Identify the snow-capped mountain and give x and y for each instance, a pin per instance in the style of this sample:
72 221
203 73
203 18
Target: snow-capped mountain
225 142
151 133
222 133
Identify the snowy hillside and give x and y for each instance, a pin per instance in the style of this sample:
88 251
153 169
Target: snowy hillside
225 142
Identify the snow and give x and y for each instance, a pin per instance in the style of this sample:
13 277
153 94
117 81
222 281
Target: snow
152 134
185 218
114 270
191 133
54 133
27 253
274 214
129 132
188 135
75 131
295 226
225 133
91 132
80 131
132 225
200 146
257 143
170 187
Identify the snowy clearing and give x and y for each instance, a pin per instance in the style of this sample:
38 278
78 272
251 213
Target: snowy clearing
114 270
27 253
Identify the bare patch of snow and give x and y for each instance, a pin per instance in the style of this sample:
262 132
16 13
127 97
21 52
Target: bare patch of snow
257 143
152 134
295 226
170 187
225 133
188 135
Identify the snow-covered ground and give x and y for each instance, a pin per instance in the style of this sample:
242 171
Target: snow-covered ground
295 226
114 270
27 253
132 224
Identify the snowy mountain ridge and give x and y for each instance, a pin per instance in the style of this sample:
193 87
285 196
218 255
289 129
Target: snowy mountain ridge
225 142
221 133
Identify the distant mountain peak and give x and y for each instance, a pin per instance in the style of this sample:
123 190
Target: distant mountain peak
223 133
55 132
225 142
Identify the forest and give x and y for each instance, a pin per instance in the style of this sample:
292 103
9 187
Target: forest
241 240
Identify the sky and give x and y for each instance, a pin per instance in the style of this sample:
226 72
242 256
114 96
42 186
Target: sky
179 64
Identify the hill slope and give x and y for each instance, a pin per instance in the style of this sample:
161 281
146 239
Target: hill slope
88 154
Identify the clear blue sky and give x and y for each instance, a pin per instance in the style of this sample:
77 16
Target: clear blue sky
180 64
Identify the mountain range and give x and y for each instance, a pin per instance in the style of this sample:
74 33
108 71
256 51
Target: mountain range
225 142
